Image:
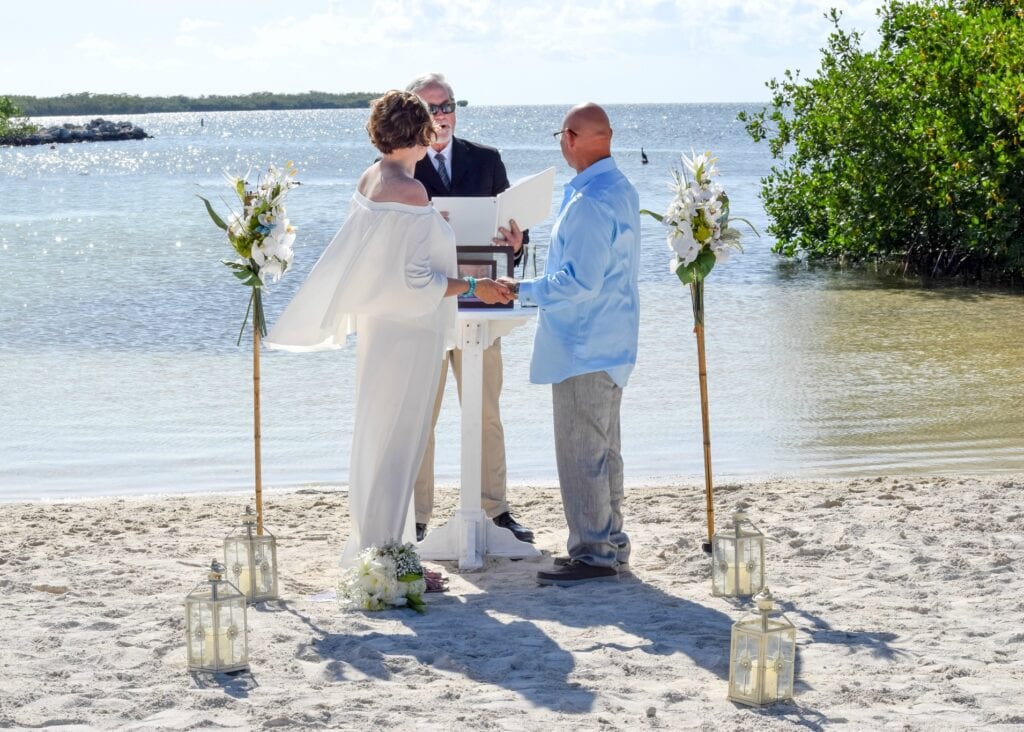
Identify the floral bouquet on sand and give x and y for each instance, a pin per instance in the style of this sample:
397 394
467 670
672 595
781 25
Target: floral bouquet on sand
383 577
260 234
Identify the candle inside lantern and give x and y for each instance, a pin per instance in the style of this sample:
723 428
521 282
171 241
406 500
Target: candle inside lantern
215 624
770 686
219 642
738 559
244 584
762 655
252 557
731 587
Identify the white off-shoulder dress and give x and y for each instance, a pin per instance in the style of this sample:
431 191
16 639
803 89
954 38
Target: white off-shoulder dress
383 277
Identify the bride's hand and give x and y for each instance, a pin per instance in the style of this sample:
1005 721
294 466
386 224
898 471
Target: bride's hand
492 292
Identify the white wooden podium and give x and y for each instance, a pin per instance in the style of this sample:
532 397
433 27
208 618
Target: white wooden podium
469 535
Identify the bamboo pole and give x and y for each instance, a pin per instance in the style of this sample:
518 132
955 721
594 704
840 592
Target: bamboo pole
256 419
697 294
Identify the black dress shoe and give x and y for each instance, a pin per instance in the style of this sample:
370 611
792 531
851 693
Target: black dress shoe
421 532
505 521
562 561
575 573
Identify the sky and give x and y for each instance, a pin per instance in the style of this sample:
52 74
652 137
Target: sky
493 51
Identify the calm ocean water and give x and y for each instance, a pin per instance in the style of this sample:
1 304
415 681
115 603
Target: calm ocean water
118 325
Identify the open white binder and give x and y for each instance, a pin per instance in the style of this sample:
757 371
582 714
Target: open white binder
475 219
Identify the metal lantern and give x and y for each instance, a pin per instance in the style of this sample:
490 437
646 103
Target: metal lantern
762 656
251 559
217 634
737 559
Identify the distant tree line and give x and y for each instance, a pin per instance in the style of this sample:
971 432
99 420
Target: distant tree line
100 104
913 151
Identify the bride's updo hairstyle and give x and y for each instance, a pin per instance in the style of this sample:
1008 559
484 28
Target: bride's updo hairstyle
399 120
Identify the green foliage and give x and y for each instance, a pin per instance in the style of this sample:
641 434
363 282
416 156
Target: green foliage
698 270
245 273
10 124
214 216
912 151
100 104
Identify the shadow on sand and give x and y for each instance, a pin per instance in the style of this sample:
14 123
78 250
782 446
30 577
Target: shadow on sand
498 636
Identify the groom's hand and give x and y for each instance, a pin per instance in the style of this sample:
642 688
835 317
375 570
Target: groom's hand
492 292
512 285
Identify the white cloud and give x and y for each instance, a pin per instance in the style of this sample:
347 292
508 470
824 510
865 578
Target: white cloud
494 51
197 25
505 33
94 45
190 30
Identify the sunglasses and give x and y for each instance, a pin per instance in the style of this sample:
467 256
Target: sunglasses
444 107
571 132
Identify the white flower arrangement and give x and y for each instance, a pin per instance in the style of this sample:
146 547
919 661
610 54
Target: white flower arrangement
697 220
383 577
699 235
260 233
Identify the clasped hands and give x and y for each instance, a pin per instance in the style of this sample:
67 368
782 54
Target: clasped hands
503 290
493 292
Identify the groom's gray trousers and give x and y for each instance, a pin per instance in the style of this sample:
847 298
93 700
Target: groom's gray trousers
588 451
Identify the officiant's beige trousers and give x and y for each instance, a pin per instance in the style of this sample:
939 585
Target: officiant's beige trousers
493 481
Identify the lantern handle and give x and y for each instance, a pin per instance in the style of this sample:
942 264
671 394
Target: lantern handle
216 573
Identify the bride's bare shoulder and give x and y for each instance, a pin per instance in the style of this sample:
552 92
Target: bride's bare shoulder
381 189
368 180
409 191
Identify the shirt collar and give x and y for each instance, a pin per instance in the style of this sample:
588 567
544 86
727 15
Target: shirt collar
588 174
447 152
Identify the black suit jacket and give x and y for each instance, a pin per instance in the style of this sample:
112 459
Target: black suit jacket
477 170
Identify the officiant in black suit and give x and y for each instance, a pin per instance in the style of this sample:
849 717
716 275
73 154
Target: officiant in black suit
457 167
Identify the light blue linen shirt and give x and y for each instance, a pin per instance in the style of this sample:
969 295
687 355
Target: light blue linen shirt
588 297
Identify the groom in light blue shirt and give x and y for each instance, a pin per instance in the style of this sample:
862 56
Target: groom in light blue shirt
586 343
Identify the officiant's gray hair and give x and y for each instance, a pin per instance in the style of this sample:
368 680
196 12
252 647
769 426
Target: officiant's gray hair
421 82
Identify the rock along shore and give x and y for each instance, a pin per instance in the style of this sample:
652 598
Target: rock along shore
97 130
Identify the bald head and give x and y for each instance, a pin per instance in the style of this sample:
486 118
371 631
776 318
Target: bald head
589 118
588 136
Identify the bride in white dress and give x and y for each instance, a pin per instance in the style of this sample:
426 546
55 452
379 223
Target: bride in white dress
389 275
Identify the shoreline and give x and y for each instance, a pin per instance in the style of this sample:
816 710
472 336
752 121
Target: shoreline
904 592
682 482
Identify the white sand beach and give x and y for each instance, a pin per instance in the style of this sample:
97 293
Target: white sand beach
907 595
